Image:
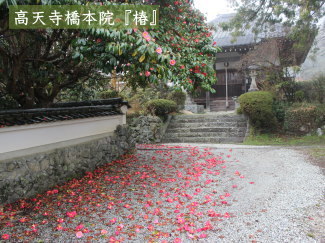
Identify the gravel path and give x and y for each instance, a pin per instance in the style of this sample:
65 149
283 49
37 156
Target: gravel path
210 193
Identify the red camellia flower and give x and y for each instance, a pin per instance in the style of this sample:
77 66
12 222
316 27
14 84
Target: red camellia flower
214 43
59 227
146 36
79 234
172 62
60 220
79 227
72 214
22 220
159 50
5 237
147 73
182 66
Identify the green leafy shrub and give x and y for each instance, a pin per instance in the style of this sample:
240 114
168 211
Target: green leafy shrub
299 96
108 94
279 108
258 107
138 98
239 111
319 88
314 90
179 97
301 118
320 115
161 107
308 89
7 102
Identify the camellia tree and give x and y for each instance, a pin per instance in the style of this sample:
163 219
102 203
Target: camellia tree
37 64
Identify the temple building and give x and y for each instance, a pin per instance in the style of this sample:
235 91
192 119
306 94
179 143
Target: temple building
240 60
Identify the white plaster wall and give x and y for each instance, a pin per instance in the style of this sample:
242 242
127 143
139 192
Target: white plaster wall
30 136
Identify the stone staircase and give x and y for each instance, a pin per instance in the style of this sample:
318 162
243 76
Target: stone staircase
206 128
220 105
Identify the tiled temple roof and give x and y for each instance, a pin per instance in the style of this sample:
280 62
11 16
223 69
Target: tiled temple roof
62 112
225 39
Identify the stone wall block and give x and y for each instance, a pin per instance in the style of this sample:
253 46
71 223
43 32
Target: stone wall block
27 176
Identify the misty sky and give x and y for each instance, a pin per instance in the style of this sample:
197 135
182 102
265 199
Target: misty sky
213 7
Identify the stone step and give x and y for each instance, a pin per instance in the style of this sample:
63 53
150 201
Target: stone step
204 140
223 101
221 108
221 124
205 129
178 119
205 134
212 115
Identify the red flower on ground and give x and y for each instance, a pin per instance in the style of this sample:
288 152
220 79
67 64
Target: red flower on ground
72 214
79 234
5 237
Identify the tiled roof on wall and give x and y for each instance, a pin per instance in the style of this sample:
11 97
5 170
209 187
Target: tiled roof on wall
62 112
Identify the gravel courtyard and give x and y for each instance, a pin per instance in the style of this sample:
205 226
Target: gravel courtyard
172 193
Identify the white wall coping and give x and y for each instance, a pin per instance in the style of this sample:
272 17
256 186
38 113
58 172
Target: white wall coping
30 136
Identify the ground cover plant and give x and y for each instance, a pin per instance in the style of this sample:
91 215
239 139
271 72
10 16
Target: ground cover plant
282 139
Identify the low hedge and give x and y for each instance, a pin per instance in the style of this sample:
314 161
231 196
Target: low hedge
108 94
258 107
179 97
161 107
302 119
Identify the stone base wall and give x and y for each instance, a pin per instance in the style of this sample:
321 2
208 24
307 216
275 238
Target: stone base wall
146 129
197 109
28 175
24 177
